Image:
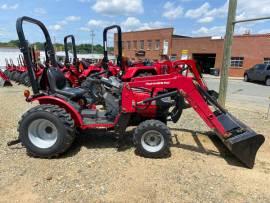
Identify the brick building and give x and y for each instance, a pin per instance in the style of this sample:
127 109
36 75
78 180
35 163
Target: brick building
247 50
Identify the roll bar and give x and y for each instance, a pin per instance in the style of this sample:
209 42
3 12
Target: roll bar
25 48
73 48
119 38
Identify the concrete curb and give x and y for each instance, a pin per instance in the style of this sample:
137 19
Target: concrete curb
218 77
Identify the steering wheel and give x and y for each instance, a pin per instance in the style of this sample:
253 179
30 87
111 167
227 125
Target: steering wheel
108 82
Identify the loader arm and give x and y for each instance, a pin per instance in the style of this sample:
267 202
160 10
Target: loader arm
188 89
242 141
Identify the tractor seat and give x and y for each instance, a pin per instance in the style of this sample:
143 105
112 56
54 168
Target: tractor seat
85 64
57 82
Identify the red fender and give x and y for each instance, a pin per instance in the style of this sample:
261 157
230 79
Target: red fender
90 70
132 71
62 103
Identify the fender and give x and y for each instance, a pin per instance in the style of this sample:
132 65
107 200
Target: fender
90 70
132 71
62 103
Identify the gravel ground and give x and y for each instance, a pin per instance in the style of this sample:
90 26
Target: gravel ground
199 169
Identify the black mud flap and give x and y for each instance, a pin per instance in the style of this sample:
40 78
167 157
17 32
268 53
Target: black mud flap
244 142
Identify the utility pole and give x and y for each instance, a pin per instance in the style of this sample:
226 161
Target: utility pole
54 41
92 35
223 85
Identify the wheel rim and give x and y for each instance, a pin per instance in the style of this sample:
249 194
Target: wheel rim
246 78
152 141
42 133
268 82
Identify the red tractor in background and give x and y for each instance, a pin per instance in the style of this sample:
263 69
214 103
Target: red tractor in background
77 70
19 70
127 70
48 129
71 68
38 70
11 69
8 69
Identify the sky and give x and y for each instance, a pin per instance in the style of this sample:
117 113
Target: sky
79 17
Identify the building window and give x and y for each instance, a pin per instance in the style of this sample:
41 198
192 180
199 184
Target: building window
123 45
157 44
173 57
135 44
128 45
267 61
142 45
149 42
237 62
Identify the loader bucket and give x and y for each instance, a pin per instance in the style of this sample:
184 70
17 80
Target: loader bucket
244 142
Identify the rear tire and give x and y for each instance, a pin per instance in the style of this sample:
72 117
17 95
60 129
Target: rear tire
267 81
46 131
152 139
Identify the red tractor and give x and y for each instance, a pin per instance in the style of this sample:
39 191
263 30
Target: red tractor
76 71
71 69
9 68
49 129
38 69
127 70
19 70
12 69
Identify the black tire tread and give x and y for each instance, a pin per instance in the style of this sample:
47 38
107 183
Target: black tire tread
64 117
156 124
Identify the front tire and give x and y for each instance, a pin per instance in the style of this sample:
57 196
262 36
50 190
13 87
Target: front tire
46 131
246 78
152 139
267 81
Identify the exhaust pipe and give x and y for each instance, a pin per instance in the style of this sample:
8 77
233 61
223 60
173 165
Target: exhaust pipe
243 142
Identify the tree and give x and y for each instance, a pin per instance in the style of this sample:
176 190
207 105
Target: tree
81 48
